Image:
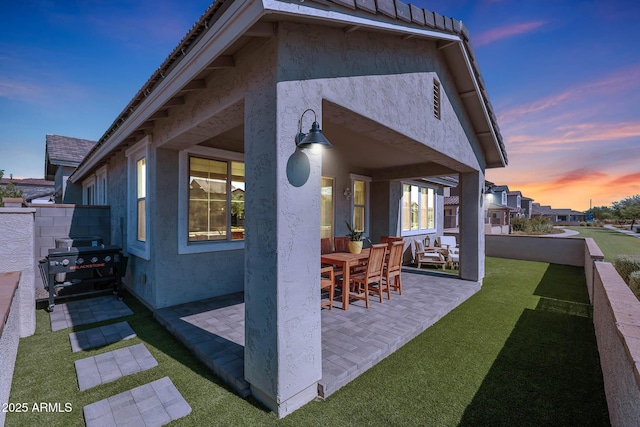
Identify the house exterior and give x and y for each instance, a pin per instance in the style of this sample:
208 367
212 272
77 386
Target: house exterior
35 190
559 216
63 154
526 204
397 92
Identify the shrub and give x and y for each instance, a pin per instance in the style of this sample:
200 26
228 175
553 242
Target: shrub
634 283
626 264
541 224
589 224
583 224
520 224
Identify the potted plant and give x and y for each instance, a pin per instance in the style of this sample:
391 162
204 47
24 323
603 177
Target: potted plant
355 240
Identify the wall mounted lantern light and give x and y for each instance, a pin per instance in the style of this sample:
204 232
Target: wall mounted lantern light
315 136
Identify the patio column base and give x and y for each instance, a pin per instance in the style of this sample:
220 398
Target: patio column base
282 409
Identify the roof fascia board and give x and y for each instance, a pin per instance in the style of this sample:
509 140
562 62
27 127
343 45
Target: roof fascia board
233 23
485 112
301 10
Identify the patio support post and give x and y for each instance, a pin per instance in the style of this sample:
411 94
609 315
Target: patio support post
283 352
472 226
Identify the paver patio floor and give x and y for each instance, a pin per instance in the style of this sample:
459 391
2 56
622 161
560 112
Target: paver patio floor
352 340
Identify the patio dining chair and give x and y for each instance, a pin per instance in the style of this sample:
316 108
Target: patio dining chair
392 270
370 281
341 244
391 239
325 245
327 283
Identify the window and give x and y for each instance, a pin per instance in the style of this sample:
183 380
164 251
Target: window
436 99
326 207
94 188
418 209
88 191
360 202
211 209
139 170
216 199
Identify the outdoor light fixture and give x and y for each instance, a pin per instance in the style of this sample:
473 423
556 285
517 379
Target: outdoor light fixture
315 136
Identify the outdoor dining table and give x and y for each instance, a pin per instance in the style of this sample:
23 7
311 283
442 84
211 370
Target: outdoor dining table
346 260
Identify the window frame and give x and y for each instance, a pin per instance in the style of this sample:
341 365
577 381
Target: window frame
367 206
184 245
141 150
333 205
419 231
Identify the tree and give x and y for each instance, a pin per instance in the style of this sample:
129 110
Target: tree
9 190
628 208
601 212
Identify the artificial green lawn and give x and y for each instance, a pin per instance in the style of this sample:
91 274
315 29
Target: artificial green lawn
610 242
520 352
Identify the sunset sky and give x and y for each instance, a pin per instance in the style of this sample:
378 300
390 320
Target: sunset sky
563 78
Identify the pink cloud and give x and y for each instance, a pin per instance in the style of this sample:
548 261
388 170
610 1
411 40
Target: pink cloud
506 32
620 81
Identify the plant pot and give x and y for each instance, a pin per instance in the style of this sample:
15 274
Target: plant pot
355 247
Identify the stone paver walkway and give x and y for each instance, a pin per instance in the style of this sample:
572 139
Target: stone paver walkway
153 404
82 312
110 366
213 330
98 337
352 340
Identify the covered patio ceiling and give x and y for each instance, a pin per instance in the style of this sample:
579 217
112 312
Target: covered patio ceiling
368 146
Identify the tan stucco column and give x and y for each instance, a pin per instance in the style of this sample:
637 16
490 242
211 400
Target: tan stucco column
471 226
283 354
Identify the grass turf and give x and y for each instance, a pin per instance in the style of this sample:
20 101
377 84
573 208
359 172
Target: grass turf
610 242
520 352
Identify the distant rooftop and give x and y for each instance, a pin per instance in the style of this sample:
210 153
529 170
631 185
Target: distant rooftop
65 151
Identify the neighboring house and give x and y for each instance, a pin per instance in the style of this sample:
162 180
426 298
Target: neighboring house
526 205
498 216
34 190
63 154
559 216
396 90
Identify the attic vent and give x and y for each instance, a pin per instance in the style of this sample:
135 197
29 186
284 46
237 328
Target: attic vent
436 99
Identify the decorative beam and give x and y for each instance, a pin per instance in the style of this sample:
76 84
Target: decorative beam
352 28
407 36
195 85
177 100
481 134
221 62
147 125
467 94
160 114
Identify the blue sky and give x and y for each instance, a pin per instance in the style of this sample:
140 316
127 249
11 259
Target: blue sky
563 78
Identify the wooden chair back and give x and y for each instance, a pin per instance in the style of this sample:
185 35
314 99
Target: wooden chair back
394 264
375 264
341 244
325 245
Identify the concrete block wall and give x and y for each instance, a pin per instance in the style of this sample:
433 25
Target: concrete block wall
616 313
59 221
556 250
616 318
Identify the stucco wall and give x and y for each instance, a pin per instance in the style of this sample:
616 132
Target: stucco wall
17 254
556 250
616 318
9 337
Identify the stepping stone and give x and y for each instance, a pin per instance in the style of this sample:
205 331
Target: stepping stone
98 337
110 366
87 311
153 404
